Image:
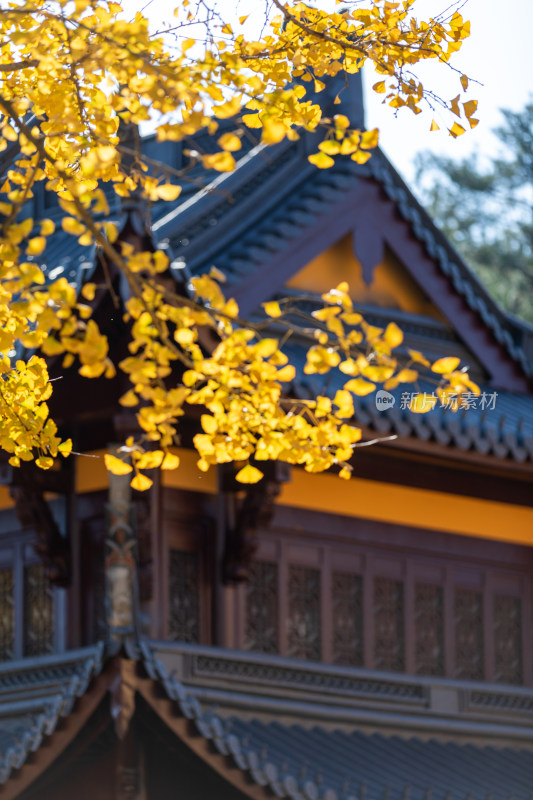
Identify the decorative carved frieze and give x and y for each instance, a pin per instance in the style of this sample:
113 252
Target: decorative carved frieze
262 633
429 629
184 600
468 625
38 611
315 679
7 616
433 621
389 636
303 623
502 701
508 639
347 622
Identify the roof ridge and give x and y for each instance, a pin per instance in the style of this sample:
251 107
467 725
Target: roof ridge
451 262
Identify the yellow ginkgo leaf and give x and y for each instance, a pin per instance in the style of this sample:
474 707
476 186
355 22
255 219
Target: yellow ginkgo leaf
416 356
407 375
359 386
379 374
456 130
331 147
470 108
209 423
170 461
88 290
286 374
249 474
393 335
422 403
273 131
44 462
129 399
229 142
454 106
168 192
321 160
116 465
221 162
443 365
47 227
150 460
272 309
65 448
71 225
369 139
141 483
36 246
360 157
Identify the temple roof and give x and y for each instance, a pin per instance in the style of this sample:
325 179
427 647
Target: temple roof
285 728
317 762
269 218
35 695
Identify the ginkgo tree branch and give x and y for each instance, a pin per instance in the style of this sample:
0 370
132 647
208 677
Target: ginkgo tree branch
18 65
83 70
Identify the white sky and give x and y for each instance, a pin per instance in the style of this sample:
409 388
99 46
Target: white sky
499 54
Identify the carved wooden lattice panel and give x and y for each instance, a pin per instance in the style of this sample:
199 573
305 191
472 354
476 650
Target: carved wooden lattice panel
7 616
262 608
429 629
508 639
468 625
184 601
347 608
38 612
389 641
303 628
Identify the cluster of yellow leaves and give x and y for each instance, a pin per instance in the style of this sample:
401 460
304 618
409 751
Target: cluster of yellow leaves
73 71
246 412
26 430
32 316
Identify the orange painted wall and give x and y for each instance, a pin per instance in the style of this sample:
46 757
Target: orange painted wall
403 505
392 287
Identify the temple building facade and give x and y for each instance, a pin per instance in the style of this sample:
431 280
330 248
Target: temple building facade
305 637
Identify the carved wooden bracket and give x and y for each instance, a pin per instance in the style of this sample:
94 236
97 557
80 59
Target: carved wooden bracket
52 548
256 509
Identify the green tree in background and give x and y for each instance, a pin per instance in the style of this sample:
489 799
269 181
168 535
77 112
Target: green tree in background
487 211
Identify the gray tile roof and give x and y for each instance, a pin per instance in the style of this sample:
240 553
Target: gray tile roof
35 694
319 763
376 766
497 423
294 761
